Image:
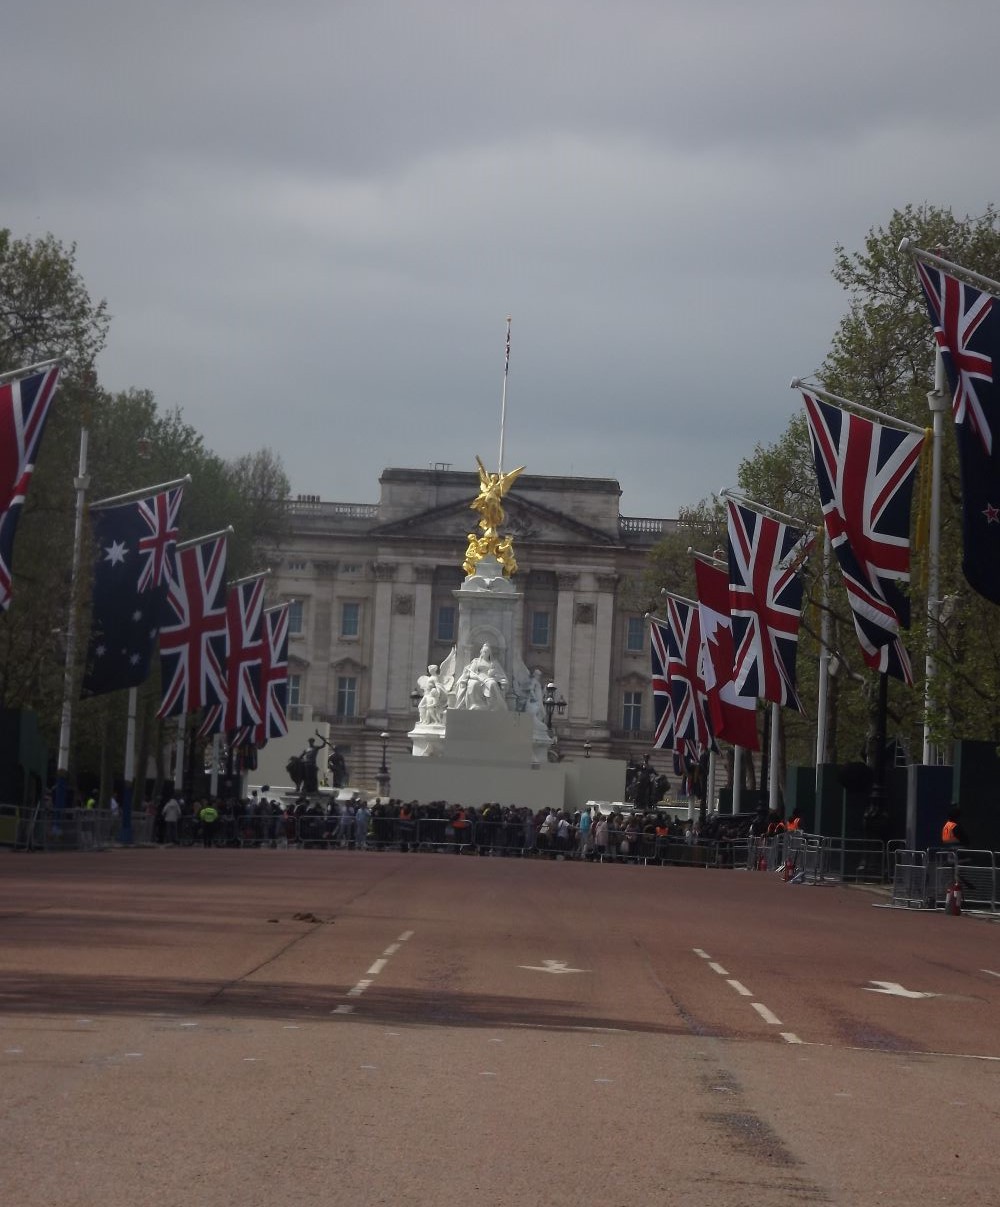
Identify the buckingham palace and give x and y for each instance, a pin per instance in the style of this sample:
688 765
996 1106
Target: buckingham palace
373 589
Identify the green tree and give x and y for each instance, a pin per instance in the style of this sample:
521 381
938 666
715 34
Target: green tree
882 355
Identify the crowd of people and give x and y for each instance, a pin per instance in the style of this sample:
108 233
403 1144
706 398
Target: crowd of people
490 829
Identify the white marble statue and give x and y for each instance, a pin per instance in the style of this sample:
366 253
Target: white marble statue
434 701
481 685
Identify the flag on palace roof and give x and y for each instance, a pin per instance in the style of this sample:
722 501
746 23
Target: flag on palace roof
24 408
193 638
733 717
966 324
135 552
866 472
765 602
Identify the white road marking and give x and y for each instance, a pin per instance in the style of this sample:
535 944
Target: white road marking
377 967
291 1027
790 1037
989 972
13 1051
740 988
391 949
766 1014
342 1010
133 1053
90 1020
407 934
552 966
698 952
249 1060
487 1074
369 1066
894 989
358 989
604 1080
717 968
189 1024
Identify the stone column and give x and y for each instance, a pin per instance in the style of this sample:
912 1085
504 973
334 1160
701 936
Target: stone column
422 621
384 573
565 602
603 637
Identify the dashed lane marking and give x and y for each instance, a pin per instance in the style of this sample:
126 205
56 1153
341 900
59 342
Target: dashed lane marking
358 989
343 1010
391 949
407 934
790 1037
698 952
717 968
377 967
767 1015
740 988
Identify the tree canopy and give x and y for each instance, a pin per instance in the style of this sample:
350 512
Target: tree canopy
46 311
882 355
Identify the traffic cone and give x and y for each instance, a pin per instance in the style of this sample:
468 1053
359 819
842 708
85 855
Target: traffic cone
789 871
953 899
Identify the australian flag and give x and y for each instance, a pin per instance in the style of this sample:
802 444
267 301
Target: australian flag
966 324
134 566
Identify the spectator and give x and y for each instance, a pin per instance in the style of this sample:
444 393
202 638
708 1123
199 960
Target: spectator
171 815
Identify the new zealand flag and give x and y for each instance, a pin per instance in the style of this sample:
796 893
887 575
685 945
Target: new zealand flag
135 554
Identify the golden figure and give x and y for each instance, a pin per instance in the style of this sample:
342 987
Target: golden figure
492 488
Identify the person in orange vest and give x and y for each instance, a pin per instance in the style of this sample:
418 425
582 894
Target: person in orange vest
951 832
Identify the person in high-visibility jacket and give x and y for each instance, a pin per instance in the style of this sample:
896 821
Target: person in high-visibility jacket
208 815
951 832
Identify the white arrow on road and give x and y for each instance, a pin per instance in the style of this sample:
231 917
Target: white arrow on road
552 966
894 989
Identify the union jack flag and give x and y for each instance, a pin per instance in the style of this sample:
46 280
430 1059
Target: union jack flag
24 408
967 328
866 472
193 641
274 676
958 311
156 547
663 709
765 601
241 710
687 684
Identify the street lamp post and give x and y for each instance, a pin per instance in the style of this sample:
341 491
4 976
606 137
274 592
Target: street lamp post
553 702
382 775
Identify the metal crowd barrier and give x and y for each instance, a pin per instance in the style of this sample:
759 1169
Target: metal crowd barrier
909 879
975 871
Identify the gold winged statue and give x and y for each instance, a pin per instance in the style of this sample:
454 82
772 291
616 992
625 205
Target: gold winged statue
489 504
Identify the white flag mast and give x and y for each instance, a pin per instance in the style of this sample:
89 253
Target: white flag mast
503 398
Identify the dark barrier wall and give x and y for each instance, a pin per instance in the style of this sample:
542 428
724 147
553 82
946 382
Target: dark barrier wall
976 788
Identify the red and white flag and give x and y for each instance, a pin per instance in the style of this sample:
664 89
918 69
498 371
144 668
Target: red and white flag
734 717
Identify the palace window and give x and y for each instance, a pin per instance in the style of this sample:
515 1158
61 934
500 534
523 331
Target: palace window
632 711
347 696
350 619
635 635
541 629
445 630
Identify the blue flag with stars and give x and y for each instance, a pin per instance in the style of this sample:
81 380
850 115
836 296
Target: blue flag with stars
134 564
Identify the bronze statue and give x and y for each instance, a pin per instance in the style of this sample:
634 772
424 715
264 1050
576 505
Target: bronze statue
492 489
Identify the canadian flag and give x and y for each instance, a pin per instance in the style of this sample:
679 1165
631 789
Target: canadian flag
734 717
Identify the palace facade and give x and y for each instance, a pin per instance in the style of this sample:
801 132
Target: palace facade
374 587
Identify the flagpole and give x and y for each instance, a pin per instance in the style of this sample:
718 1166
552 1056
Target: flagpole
42 364
738 777
823 687
773 795
80 482
131 495
203 540
129 774
881 416
937 401
928 257
693 603
503 398
763 509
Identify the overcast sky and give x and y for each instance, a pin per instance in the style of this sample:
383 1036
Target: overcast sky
311 219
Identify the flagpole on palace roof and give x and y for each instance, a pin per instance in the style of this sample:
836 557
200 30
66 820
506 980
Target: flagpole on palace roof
503 397
143 493
42 364
248 578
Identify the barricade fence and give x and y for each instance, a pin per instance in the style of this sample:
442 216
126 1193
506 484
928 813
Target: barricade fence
917 879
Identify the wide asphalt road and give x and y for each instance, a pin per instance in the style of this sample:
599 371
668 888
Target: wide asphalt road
192 1028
